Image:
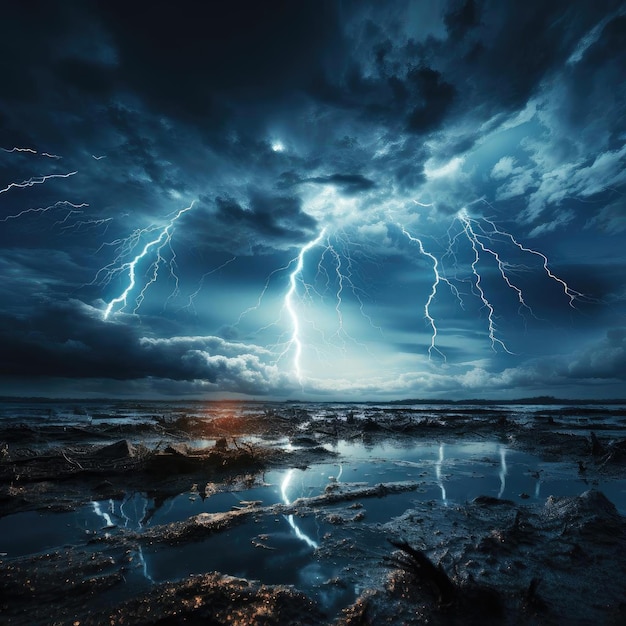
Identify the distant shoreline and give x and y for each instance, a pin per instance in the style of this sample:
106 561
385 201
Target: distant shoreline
537 400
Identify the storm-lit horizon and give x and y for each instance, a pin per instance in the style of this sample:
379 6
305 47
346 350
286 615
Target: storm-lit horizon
342 201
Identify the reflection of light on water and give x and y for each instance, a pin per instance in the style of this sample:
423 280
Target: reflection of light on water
104 515
438 474
340 472
109 524
537 485
144 507
503 470
290 518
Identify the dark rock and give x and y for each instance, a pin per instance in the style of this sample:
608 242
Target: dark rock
177 449
491 501
119 450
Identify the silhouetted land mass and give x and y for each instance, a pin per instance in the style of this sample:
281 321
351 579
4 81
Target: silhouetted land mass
536 400
547 400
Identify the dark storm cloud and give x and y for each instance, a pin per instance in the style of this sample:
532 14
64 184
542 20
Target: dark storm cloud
435 98
605 359
203 63
265 221
86 76
596 80
462 18
70 340
350 184
217 51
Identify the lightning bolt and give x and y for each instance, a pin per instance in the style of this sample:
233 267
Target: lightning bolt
19 150
334 275
341 257
472 242
571 294
290 518
67 222
295 276
483 236
475 244
503 266
35 180
32 151
503 471
163 238
433 292
438 474
61 203
97 509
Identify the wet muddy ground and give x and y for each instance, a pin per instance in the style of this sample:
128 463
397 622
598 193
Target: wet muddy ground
289 514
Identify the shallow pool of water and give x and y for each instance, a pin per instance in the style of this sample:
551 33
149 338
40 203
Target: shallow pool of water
292 549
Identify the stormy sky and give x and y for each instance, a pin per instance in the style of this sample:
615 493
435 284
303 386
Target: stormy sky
318 199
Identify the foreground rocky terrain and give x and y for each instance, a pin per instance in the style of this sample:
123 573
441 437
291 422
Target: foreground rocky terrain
552 559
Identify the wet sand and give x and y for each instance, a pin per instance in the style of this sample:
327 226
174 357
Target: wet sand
289 514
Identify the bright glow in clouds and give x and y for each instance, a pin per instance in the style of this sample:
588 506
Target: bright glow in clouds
334 267
448 169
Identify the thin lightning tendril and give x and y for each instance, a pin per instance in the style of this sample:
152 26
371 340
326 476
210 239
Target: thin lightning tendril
35 180
572 294
61 203
192 297
32 151
66 223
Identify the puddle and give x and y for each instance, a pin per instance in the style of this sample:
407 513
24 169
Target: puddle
34 532
298 550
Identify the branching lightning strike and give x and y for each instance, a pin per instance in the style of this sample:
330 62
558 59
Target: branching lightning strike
571 294
163 238
475 245
334 275
438 278
482 235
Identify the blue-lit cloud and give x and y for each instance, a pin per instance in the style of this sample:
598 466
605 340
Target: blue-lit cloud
339 200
